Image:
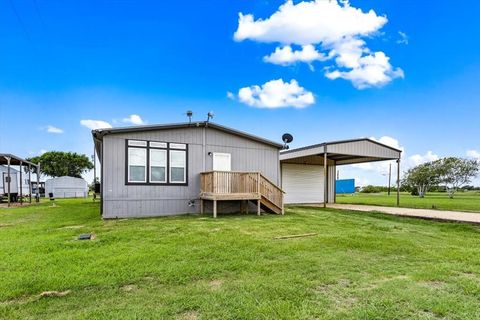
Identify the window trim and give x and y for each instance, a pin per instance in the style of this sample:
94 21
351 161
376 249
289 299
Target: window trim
148 147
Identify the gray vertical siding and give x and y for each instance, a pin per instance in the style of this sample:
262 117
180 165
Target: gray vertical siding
121 200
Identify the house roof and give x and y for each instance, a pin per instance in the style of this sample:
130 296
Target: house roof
100 133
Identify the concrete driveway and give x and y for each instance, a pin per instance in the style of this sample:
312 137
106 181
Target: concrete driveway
470 217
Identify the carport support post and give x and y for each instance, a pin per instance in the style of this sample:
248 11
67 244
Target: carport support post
398 182
29 183
325 181
37 197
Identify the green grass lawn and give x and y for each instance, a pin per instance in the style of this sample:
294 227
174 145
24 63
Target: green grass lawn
463 201
358 266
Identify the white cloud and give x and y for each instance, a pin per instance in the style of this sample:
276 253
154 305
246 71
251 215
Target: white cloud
95 124
42 151
134 119
473 154
52 129
230 95
276 94
373 70
325 30
286 56
418 159
403 38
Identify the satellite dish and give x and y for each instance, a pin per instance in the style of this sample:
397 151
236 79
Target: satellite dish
287 138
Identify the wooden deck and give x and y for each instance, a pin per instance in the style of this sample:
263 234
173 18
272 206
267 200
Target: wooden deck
240 186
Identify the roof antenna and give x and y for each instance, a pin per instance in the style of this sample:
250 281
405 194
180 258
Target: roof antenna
189 115
210 116
286 138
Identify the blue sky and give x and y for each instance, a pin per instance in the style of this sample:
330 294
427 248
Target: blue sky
66 61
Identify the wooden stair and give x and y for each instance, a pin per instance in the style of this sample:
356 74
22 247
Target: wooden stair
241 186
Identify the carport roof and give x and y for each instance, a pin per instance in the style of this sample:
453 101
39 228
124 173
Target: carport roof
342 152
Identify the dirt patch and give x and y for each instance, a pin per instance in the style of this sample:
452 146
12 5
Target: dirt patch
3 225
48 294
72 227
341 283
189 315
215 284
434 284
129 287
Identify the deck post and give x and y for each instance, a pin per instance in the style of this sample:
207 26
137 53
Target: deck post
21 184
325 181
29 183
398 182
214 208
201 206
258 207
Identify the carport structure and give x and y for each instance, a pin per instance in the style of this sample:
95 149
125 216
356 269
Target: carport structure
306 179
12 160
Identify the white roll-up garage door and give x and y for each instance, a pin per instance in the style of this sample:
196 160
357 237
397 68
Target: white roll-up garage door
302 183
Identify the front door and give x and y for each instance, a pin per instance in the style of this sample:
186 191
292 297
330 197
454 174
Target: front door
222 162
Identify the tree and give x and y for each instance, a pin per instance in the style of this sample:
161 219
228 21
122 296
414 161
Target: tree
421 177
455 172
57 164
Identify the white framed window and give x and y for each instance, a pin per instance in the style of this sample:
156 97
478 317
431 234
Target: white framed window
178 166
222 161
158 166
137 164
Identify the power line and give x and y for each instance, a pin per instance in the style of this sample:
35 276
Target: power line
20 21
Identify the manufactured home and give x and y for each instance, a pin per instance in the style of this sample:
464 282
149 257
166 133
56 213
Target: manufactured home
160 170
66 187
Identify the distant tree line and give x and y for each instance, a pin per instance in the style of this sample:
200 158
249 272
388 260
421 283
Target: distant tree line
449 175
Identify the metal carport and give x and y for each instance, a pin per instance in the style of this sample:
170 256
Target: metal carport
12 160
338 153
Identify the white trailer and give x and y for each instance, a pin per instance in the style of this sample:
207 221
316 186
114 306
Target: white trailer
15 183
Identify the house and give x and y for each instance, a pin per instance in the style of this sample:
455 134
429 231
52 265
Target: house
170 169
66 187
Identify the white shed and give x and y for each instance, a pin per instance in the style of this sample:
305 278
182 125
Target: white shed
66 187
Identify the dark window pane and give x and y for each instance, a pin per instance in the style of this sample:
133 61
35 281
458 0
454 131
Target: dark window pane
178 175
137 173
157 174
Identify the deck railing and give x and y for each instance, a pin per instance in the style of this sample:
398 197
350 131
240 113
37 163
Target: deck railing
233 182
